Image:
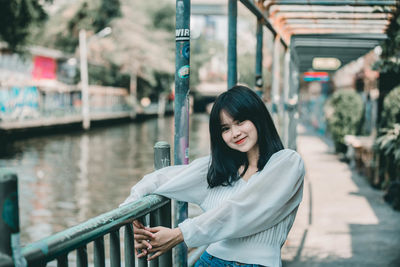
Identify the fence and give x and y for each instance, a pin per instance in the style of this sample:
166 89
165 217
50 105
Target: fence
152 209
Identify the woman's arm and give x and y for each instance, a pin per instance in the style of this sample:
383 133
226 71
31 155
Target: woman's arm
268 198
181 182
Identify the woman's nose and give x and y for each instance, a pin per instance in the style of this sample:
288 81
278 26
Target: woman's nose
235 131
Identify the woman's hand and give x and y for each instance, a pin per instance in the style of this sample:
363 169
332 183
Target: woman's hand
164 239
142 236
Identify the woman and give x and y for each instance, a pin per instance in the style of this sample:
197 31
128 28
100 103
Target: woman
250 188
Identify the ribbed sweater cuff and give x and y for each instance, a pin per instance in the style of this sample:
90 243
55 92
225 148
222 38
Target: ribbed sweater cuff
187 233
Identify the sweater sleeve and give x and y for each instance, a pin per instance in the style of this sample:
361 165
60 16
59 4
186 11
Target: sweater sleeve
267 199
180 182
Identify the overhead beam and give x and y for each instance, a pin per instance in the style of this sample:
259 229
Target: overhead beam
347 36
309 58
209 9
337 2
326 43
335 31
308 21
272 9
332 15
257 12
338 27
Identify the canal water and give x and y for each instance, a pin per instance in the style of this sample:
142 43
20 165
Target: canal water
65 179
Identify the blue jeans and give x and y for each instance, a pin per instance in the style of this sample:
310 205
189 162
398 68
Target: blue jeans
207 260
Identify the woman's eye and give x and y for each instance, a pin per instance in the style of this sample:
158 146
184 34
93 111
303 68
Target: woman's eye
224 129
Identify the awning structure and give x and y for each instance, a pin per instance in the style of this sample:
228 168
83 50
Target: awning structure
340 29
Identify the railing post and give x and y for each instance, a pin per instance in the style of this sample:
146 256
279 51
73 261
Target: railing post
232 43
10 249
142 262
99 253
162 159
115 249
129 246
181 129
259 57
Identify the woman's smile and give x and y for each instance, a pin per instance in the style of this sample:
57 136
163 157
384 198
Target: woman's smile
241 141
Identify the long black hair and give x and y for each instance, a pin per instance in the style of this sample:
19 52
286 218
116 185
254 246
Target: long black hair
241 103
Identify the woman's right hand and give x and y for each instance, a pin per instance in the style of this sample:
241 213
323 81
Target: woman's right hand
142 237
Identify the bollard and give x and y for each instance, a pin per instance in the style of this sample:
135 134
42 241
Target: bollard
162 159
161 216
9 222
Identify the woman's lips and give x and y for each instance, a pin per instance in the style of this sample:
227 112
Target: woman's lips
240 141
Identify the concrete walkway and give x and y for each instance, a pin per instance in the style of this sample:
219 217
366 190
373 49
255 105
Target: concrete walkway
342 221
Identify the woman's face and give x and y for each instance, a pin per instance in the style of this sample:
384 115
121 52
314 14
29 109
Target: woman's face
239 135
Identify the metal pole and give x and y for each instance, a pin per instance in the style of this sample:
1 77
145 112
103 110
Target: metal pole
181 137
84 79
286 98
232 47
293 99
259 57
10 249
275 81
133 94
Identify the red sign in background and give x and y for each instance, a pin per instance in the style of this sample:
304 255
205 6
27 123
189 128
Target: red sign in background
44 68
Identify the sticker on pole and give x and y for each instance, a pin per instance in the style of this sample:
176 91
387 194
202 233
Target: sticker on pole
182 34
184 72
186 51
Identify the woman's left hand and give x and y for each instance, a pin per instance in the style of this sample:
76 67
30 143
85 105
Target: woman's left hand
164 239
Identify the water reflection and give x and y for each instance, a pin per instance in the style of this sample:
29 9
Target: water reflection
67 179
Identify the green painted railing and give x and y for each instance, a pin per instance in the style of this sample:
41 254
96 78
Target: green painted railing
152 209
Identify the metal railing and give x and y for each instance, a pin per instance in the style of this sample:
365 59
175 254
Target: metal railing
152 209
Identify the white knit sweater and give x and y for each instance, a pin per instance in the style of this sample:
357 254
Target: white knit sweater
247 222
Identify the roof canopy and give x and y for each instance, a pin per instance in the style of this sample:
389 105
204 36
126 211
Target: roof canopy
342 29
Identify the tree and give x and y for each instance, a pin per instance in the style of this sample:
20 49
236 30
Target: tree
142 40
108 10
16 19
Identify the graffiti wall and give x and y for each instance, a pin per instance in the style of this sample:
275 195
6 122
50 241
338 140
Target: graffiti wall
19 103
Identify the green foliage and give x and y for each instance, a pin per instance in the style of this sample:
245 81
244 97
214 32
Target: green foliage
388 147
343 111
90 17
246 69
390 61
391 109
391 46
163 16
201 52
108 76
389 143
16 19
386 66
68 39
108 10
